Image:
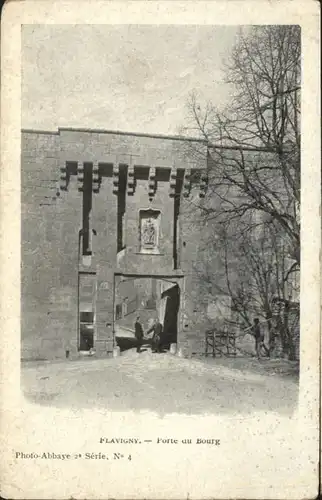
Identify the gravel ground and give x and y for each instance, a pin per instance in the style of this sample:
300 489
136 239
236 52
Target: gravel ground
164 384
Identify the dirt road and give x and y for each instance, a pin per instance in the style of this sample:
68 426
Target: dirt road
160 383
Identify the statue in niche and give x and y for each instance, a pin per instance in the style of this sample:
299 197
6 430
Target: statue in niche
149 233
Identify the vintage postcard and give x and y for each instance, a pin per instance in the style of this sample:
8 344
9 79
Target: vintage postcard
160 240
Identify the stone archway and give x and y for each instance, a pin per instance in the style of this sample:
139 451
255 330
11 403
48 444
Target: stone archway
167 303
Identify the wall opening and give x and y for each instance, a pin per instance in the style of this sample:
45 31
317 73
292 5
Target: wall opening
121 199
86 340
86 310
176 212
87 210
149 298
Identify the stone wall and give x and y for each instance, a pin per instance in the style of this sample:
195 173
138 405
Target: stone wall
53 268
52 264
49 252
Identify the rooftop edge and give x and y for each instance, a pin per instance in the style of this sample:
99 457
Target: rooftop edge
116 132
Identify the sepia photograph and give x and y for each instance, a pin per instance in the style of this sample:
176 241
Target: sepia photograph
161 217
160 240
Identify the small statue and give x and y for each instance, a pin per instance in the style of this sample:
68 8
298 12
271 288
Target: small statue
149 233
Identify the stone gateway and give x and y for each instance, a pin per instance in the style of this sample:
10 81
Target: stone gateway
107 232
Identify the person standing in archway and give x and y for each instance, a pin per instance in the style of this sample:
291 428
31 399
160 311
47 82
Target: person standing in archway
156 328
138 332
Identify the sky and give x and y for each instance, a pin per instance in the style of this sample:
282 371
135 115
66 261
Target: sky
132 78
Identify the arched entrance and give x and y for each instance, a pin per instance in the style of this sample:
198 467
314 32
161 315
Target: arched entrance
149 297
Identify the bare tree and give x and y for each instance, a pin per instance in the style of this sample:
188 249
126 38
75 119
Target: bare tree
254 145
252 272
253 159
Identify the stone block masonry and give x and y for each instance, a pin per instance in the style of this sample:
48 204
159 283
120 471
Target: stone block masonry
97 207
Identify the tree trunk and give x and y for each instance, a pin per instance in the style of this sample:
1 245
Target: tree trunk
271 336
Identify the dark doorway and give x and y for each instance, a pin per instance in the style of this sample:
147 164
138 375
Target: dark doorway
148 297
170 322
86 331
